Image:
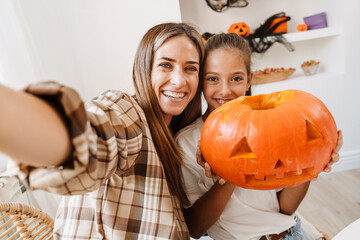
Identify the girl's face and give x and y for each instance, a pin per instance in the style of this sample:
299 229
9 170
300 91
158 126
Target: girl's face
175 75
225 77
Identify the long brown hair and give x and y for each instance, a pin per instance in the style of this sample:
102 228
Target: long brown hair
231 41
166 147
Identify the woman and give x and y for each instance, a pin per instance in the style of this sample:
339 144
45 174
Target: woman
116 161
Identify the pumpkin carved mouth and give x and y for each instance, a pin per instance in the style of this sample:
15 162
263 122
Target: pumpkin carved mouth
243 151
279 178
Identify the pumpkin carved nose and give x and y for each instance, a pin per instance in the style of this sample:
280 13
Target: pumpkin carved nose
242 150
279 164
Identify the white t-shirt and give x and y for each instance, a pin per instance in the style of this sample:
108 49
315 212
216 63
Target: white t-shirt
249 214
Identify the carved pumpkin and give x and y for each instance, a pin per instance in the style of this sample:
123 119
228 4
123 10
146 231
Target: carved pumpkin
240 28
269 141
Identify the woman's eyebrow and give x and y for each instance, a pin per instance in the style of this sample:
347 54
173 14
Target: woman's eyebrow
173 60
165 58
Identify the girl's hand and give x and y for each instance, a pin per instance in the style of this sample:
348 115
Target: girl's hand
208 172
335 154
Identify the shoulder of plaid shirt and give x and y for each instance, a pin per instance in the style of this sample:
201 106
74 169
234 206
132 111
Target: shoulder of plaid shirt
114 185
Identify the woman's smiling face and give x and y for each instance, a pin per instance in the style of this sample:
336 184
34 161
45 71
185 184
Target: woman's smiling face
175 75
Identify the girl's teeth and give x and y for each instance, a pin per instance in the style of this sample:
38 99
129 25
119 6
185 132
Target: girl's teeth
173 94
222 102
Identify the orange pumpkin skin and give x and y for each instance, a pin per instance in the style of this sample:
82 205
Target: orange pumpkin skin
240 28
269 141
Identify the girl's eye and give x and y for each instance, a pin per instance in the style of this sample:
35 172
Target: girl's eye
237 79
212 79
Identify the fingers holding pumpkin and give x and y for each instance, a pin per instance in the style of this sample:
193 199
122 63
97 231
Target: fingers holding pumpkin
335 154
339 141
199 158
208 172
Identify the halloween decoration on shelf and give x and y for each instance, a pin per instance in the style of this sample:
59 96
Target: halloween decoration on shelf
269 141
268 75
279 24
265 36
206 35
240 28
316 21
269 33
310 67
302 27
221 5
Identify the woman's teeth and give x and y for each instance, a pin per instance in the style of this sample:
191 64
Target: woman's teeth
174 94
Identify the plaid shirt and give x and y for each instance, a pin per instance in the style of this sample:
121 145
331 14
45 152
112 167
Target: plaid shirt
114 184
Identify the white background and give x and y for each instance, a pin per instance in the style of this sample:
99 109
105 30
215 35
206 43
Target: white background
90 45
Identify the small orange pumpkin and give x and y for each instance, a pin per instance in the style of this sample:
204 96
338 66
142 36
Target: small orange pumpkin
240 28
302 27
269 141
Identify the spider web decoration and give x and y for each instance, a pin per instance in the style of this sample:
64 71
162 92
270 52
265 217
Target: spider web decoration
207 35
264 37
221 5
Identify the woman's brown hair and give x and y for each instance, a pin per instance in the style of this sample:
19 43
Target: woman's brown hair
166 147
231 41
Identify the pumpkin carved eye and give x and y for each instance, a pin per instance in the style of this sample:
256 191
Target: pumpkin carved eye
242 150
312 132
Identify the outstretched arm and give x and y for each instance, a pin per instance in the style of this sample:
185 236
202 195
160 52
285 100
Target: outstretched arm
31 131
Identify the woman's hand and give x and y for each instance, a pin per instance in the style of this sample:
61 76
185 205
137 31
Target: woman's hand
208 172
335 154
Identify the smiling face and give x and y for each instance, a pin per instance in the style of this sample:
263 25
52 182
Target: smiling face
225 77
175 75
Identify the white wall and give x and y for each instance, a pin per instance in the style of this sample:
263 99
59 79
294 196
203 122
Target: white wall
86 44
339 84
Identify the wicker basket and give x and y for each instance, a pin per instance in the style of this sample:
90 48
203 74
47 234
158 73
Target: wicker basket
20 221
272 76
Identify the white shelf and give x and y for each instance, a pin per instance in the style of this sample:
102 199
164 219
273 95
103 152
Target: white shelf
312 34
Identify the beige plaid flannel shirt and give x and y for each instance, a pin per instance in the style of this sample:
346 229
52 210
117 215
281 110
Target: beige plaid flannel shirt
114 185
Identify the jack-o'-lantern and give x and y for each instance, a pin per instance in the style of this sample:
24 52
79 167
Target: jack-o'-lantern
240 28
269 141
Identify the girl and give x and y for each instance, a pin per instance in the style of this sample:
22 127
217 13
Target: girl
223 210
115 159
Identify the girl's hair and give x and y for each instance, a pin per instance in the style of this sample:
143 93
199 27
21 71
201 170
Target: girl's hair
167 149
231 41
